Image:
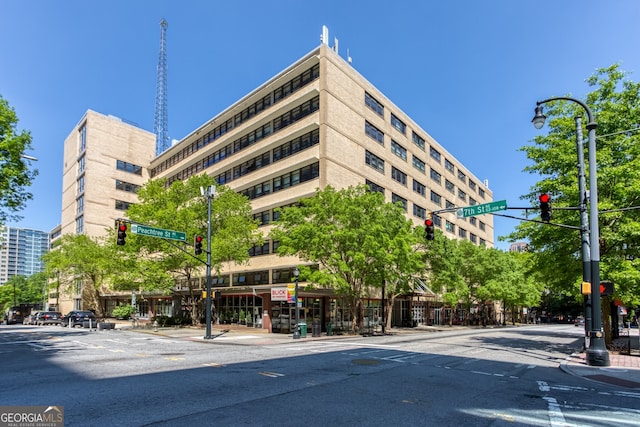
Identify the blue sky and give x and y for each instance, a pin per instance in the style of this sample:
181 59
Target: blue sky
467 71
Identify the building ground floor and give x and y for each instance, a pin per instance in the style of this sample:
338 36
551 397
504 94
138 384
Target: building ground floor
274 308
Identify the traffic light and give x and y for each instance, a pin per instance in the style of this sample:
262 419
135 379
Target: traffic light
545 207
197 244
122 233
429 229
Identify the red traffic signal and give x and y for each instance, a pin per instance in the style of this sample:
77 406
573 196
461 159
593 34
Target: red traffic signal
606 288
429 229
122 233
545 207
197 244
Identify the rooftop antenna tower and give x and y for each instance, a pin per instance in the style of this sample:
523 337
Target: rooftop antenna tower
161 117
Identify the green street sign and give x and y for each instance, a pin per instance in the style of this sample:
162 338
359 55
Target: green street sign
144 230
484 208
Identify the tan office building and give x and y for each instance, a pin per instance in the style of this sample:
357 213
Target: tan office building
317 123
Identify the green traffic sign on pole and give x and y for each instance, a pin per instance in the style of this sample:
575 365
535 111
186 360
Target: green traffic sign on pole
145 230
484 208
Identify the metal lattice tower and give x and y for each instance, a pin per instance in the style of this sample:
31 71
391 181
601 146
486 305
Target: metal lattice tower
161 118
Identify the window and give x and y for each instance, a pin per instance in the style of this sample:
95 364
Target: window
419 211
462 233
373 132
395 198
483 242
418 140
449 186
372 103
374 187
399 176
126 186
481 192
437 221
398 124
435 176
462 195
296 145
481 226
122 205
448 165
436 198
461 176
129 167
419 164
473 220
79 205
374 161
472 201
80 224
82 137
80 183
449 205
296 177
473 238
82 162
450 227
472 185
263 217
419 188
435 154
398 150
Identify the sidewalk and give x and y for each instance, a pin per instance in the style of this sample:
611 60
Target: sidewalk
624 370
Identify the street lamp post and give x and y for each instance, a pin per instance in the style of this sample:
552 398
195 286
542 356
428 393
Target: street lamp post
209 192
597 354
584 229
296 332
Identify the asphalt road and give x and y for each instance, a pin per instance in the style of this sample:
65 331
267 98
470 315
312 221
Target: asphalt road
488 377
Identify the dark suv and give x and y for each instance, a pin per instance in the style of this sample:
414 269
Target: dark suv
48 318
77 318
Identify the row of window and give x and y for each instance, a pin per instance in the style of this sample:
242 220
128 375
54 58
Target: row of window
274 97
128 167
286 119
284 181
376 134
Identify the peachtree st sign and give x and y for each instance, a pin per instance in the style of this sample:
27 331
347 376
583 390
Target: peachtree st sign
145 230
484 208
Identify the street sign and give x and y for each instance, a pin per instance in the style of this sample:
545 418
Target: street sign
484 208
144 230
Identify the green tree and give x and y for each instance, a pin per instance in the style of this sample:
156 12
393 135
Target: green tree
28 290
89 260
615 102
156 264
15 174
356 239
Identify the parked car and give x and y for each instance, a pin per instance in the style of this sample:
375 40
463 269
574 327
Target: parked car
579 321
48 318
77 318
30 319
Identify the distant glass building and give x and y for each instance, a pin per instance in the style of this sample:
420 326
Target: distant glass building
21 251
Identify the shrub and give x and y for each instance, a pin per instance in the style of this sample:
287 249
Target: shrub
123 311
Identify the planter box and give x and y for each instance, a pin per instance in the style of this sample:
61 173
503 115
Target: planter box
106 325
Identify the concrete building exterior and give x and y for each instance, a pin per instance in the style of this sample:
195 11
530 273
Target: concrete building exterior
316 123
105 161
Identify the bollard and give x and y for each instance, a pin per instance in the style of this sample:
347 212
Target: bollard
155 326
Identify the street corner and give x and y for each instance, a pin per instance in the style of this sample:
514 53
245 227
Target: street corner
623 370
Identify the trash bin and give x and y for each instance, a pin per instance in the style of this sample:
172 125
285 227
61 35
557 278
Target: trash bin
303 329
329 329
315 329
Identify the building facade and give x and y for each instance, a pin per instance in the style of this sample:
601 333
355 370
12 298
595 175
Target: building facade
21 251
317 123
105 162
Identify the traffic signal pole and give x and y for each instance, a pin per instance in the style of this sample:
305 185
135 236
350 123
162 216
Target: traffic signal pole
210 192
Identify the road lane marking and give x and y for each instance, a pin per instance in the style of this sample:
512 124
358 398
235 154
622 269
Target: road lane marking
554 411
271 374
214 365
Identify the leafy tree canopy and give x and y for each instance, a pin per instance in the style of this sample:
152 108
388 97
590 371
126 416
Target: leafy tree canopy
615 103
15 174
